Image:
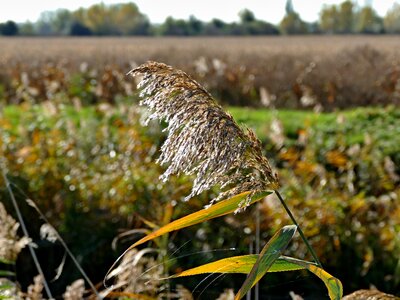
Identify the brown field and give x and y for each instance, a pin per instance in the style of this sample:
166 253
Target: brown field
127 49
295 72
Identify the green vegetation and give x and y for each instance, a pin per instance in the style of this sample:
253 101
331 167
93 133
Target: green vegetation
92 168
382 126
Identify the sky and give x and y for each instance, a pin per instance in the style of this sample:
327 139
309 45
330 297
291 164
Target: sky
158 10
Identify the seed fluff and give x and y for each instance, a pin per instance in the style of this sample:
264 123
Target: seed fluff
203 140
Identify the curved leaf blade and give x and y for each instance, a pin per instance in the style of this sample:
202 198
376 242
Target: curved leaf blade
238 264
217 210
269 254
6 273
334 286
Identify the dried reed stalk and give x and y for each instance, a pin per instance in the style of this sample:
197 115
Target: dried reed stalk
203 140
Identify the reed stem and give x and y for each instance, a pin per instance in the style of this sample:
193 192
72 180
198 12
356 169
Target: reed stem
26 234
310 248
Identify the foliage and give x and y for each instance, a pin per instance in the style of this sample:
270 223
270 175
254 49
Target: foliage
292 24
368 21
98 19
347 18
392 19
328 168
8 28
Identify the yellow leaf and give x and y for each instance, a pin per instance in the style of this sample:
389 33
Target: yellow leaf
217 210
238 264
334 286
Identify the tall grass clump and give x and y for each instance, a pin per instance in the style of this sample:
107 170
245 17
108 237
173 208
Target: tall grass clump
206 143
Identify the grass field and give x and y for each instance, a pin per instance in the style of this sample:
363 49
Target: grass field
327 72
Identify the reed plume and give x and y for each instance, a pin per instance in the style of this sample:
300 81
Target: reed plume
203 140
10 244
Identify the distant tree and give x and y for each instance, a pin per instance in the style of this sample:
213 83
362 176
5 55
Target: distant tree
45 24
314 28
79 15
116 19
289 7
98 19
78 29
177 27
216 27
291 22
329 19
218 24
368 21
195 26
26 29
249 25
346 17
391 21
246 16
142 27
261 28
337 19
128 19
8 28
61 21
44 29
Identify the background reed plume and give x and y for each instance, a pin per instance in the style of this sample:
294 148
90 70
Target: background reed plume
10 244
203 140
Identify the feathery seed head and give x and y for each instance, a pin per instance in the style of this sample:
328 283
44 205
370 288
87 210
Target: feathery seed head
10 244
203 140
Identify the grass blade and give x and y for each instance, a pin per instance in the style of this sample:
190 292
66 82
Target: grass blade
334 286
6 261
269 254
217 210
239 264
244 264
6 273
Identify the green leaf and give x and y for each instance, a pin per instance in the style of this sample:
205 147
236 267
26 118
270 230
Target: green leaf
334 286
217 210
269 254
6 286
6 261
6 273
238 264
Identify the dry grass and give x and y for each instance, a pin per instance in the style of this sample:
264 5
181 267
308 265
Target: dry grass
321 71
124 49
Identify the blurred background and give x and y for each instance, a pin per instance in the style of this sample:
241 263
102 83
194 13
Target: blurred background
318 81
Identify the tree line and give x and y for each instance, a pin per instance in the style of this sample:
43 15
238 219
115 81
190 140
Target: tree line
126 19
